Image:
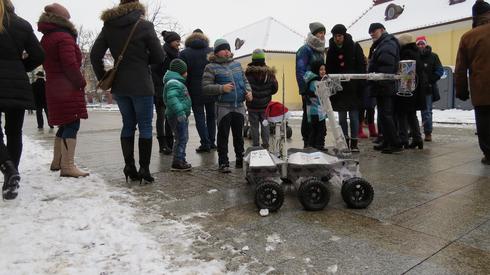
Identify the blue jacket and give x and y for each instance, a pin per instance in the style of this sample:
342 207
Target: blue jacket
305 56
221 71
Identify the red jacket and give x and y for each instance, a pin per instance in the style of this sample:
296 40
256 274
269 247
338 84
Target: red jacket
65 84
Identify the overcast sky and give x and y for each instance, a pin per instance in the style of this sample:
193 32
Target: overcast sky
214 17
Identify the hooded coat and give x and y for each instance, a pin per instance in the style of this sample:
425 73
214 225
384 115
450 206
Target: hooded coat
15 90
384 57
348 59
195 55
264 84
65 84
133 76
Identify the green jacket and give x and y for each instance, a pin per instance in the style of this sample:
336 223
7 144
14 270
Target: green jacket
175 95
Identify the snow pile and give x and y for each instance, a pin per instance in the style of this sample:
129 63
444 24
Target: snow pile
84 226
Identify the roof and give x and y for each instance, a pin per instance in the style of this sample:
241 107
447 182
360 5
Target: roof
267 34
417 14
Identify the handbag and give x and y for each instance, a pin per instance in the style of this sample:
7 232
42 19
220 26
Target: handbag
105 83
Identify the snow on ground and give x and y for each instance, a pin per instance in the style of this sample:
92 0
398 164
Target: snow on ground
85 226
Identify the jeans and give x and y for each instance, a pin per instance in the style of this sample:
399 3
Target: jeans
136 110
39 116
482 118
235 122
387 120
354 123
255 119
205 116
14 121
69 130
427 115
180 129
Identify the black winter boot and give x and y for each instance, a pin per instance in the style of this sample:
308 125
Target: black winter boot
127 145
12 179
163 146
145 156
353 145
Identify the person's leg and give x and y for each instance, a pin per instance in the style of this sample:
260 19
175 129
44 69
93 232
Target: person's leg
39 118
237 131
211 123
314 131
354 130
264 131
305 127
370 121
159 124
482 118
427 118
254 120
8 167
385 109
223 135
202 130
68 146
362 124
128 115
169 137
343 123
143 106
14 121
413 123
402 121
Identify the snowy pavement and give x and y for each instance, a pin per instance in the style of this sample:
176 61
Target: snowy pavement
85 226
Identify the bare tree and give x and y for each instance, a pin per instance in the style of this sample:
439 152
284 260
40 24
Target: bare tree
160 19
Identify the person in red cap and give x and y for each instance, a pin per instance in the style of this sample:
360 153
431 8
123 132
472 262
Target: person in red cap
473 58
432 71
65 86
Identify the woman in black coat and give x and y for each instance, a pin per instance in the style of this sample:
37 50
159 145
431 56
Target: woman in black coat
20 52
133 86
406 107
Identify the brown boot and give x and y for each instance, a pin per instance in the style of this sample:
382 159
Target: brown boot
428 137
56 163
68 168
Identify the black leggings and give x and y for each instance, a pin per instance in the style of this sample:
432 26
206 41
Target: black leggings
14 121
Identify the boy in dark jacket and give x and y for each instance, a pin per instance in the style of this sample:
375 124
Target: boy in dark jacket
263 81
223 77
178 102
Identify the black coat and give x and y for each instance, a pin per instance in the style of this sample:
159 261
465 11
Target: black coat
349 59
384 57
159 70
39 90
432 69
195 56
15 89
264 84
417 100
133 77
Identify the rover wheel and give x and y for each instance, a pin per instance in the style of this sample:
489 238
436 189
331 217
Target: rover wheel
313 195
269 195
357 193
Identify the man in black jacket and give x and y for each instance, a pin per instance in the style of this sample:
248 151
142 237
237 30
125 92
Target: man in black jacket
384 57
39 90
195 55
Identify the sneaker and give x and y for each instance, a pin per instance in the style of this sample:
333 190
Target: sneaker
181 166
224 168
202 149
239 164
485 160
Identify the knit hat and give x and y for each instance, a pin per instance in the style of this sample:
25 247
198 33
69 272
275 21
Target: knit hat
197 31
258 55
169 36
57 9
127 1
221 44
339 29
317 27
405 39
421 39
375 26
178 65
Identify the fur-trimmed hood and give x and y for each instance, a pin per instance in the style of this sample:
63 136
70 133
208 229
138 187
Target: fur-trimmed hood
48 19
197 41
220 60
116 15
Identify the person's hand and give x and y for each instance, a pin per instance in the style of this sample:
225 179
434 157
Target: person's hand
228 87
248 96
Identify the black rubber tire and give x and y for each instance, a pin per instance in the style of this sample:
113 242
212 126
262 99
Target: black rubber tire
269 195
246 130
357 193
289 132
313 194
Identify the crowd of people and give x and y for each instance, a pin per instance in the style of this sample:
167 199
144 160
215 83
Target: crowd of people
220 93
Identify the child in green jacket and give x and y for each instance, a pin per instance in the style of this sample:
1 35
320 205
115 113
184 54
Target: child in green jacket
178 103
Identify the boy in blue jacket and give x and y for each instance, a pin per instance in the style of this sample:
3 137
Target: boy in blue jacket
224 78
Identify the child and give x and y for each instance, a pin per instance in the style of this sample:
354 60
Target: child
225 79
178 102
316 114
263 81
